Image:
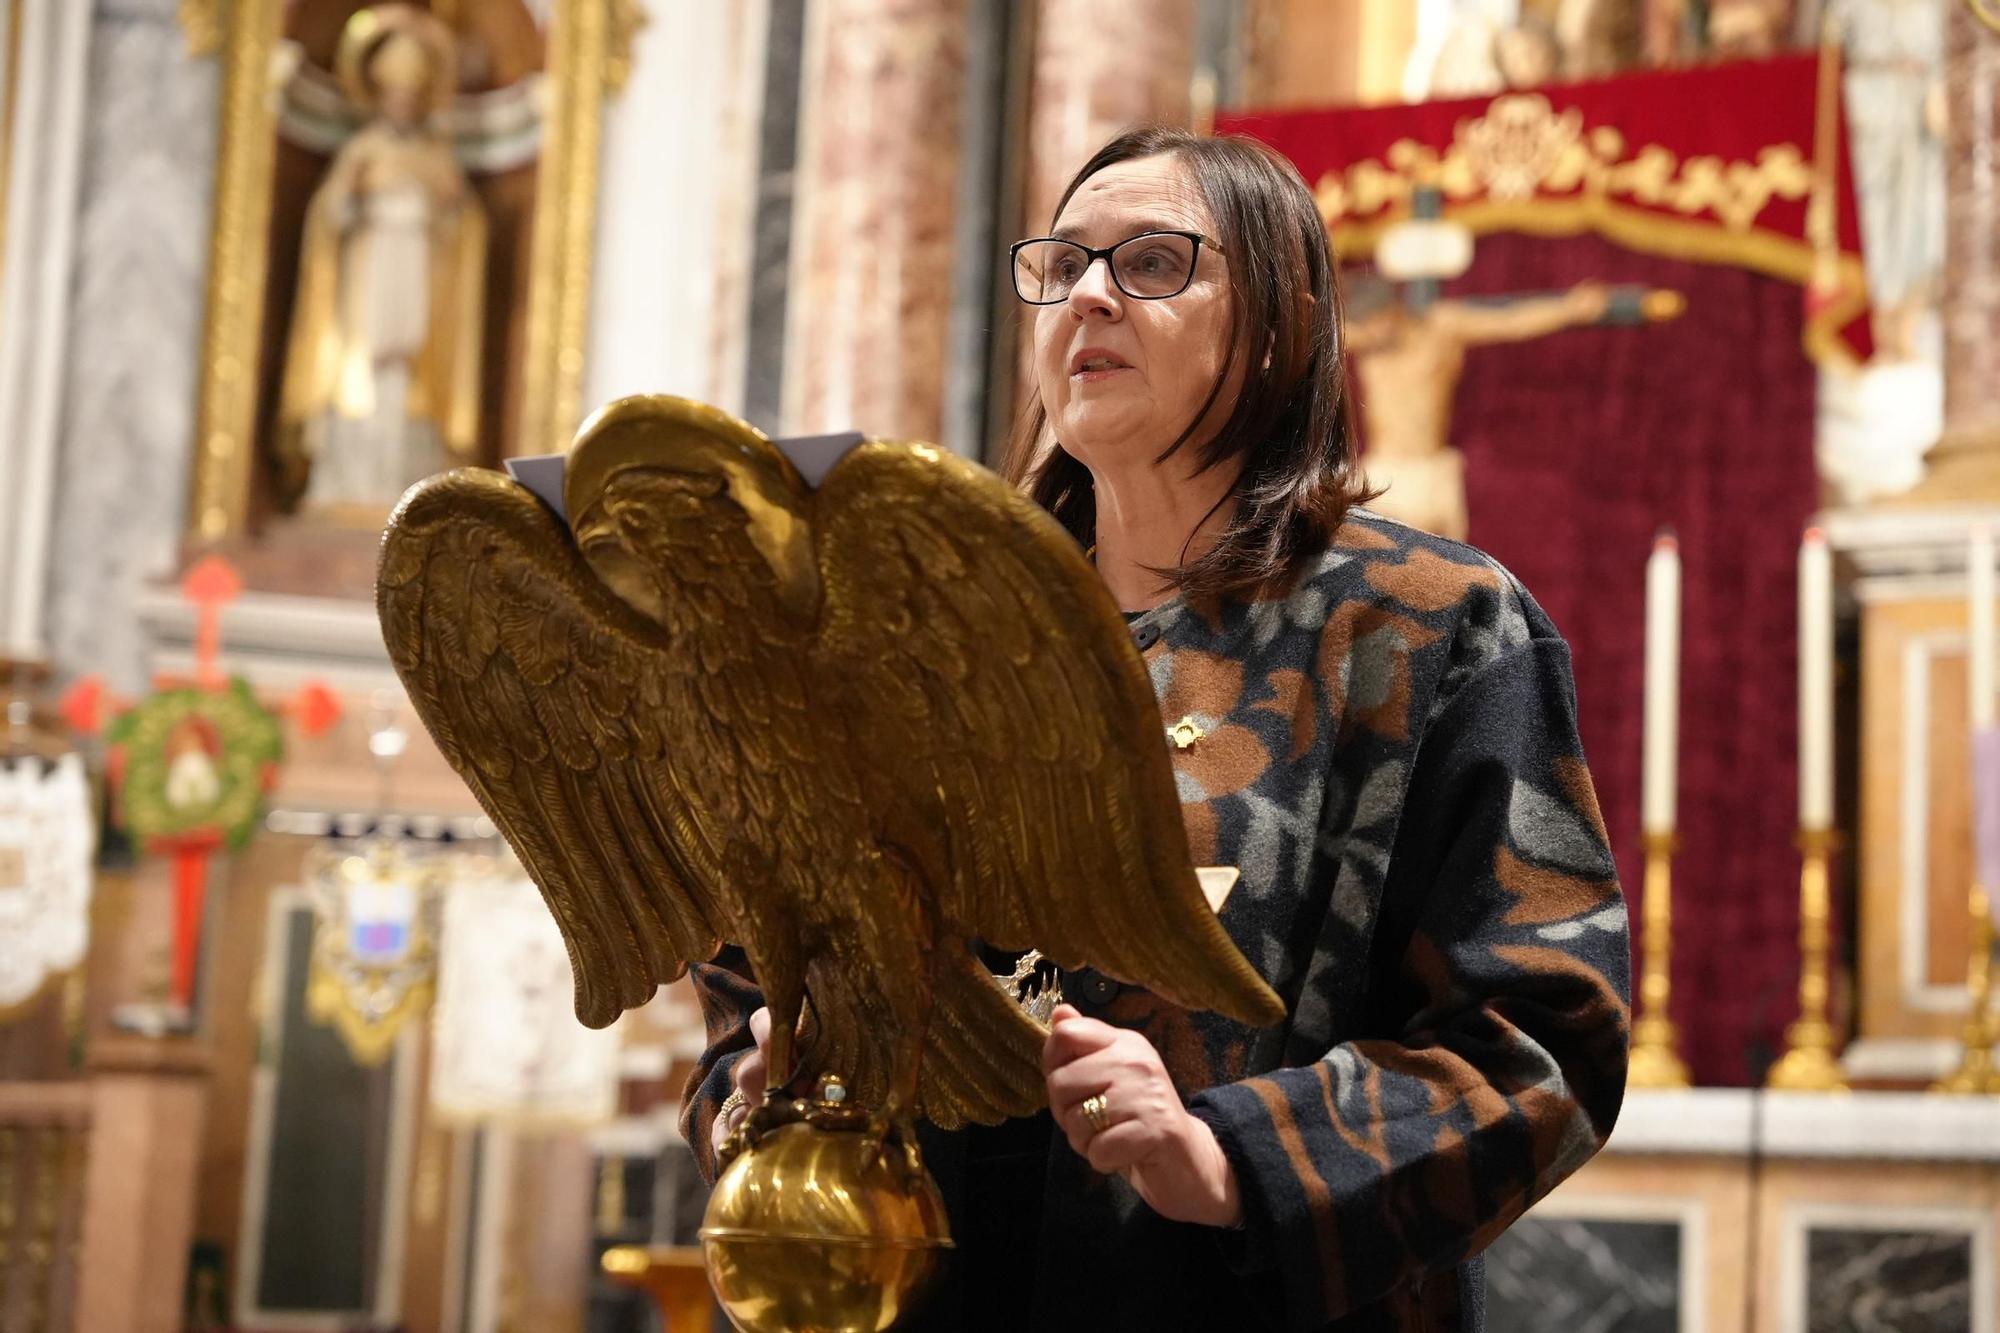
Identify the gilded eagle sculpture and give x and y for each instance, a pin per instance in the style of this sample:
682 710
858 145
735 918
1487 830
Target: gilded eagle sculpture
851 728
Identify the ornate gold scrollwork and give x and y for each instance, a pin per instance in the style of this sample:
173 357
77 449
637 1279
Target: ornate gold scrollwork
1520 145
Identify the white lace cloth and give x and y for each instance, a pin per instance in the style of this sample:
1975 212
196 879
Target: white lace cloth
46 838
508 1045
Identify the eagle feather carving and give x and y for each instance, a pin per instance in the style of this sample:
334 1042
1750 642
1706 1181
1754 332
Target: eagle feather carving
850 728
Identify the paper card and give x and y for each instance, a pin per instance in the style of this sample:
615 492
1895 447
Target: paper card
543 475
813 455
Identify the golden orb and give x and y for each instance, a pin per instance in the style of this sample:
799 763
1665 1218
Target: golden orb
822 1230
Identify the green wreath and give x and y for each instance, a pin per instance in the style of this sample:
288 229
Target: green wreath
217 793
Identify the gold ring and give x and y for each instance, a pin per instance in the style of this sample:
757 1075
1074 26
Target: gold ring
1096 1110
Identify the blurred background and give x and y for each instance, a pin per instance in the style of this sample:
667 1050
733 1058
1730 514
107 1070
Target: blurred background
1687 311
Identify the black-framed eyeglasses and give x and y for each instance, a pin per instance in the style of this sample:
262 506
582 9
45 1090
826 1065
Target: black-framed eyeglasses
1148 267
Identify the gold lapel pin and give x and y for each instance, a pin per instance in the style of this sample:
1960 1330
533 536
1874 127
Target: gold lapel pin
1185 733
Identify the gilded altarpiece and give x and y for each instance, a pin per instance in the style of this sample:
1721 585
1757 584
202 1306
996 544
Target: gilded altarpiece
400 262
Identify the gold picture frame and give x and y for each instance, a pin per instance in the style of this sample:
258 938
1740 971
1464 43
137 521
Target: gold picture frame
587 39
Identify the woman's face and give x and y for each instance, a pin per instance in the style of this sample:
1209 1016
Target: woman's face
1122 378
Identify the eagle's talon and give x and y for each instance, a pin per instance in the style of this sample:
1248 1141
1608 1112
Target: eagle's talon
913 1158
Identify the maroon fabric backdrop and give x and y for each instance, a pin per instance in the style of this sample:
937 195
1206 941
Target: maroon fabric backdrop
1578 448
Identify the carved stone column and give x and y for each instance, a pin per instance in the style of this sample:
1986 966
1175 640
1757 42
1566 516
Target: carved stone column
872 259
1098 69
1966 463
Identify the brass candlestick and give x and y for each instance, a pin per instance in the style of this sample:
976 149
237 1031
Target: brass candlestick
1656 1061
1976 1071
1808 1064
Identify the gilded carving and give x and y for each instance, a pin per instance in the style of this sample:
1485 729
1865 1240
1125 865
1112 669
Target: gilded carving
724 706
1521 146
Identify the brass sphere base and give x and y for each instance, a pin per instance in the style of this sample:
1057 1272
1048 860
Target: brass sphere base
823 1221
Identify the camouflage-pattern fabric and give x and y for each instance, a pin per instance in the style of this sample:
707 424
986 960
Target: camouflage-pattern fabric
1388 750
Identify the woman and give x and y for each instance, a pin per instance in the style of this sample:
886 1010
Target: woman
1386 747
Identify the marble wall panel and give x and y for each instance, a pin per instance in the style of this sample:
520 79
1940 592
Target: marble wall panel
1588 1275
1914 1281
135 333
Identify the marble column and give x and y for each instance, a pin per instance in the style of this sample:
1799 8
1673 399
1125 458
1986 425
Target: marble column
880 114
1971 296
44 45
1099 69
1965 464
131 358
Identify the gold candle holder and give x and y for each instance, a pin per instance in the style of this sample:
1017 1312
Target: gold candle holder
1808 1064
1976 1072
1656 1061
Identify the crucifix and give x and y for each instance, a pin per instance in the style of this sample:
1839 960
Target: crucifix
1409 344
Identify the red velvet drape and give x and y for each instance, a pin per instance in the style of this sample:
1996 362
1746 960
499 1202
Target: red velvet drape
1578 447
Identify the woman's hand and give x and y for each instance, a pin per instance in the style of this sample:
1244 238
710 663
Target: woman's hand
749 1075
1149 1138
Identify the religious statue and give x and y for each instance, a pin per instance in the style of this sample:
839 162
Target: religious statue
192 779
1467 61
381 383
1894 53
1528 55
1599 38
1480 57
1409 356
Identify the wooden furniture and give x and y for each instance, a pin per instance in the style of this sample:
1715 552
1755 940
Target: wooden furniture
97 1180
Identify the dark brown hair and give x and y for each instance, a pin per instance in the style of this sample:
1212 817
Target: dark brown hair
1290 422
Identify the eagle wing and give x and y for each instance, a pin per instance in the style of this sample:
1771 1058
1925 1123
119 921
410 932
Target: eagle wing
542 689
1015 727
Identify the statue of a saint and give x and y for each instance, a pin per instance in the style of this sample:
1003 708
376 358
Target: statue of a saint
1462 64
382 368
1409 357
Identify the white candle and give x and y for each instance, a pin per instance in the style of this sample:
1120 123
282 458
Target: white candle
1663 684
1985 736
1815 682
1980 589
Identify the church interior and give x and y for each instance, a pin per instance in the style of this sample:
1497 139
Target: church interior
1686 311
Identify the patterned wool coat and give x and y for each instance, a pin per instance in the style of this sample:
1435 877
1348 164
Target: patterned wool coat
1389 752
